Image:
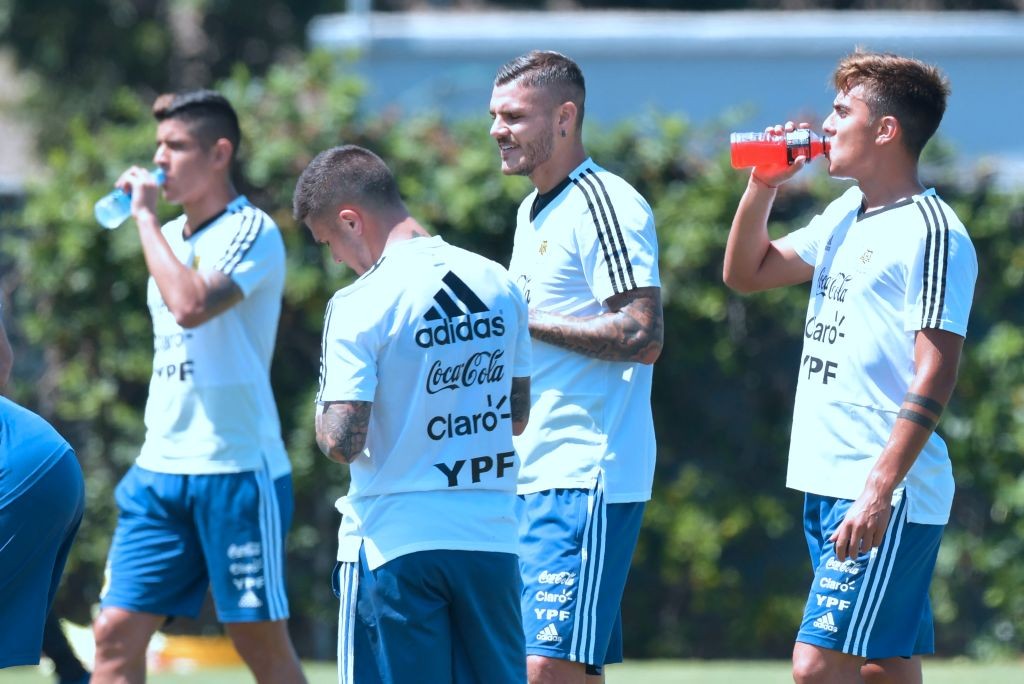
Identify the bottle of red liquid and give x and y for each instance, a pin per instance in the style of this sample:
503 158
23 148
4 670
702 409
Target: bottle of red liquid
774 149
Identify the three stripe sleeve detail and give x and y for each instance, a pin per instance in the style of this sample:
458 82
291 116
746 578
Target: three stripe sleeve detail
248 230
609 232
936 262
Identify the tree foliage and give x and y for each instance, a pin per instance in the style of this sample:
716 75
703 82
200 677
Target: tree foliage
721 568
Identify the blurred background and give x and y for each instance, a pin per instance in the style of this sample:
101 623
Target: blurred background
721 569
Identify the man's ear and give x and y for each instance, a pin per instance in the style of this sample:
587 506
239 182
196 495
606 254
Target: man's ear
222 151
567 113
350 220
888 130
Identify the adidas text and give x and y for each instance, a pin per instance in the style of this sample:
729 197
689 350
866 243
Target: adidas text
448 332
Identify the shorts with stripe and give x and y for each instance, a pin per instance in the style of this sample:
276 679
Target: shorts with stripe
575 552
431 616
177 535
876 605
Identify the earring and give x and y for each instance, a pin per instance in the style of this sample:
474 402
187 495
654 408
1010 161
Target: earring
563 132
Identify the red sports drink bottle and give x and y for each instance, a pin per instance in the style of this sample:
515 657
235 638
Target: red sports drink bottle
774 149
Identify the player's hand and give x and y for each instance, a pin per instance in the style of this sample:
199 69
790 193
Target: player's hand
142 186
864 526
776 175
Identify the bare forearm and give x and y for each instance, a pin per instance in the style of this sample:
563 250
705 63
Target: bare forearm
192 297
632 331
748 242
520 403
179 285
917 418
341 429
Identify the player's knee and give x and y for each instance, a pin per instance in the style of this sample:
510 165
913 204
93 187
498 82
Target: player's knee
543 670
808 667
119 637
111 645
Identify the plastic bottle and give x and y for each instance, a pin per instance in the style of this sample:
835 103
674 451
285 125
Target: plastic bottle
773 149
115 207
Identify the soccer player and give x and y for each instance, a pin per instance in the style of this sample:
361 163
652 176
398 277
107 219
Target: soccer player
42 499
424 379
586 257
209 499
892 274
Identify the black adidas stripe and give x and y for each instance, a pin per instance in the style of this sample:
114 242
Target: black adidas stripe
936 257
245 237
618 229
463 292
449 304
609 233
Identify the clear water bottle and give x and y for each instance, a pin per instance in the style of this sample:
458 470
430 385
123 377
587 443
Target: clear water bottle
115 207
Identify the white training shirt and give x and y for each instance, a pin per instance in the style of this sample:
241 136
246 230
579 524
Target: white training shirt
879 278
432 335
210 407
590 238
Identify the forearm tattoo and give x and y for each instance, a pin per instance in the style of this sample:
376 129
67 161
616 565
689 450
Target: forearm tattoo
633 332
917 418
520 400
924 402
910 411
341 429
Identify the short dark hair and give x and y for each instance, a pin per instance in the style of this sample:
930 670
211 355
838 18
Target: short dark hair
906 88
207 113
551 71
341 175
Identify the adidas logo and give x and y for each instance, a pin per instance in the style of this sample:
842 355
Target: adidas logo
549 633
826 623
447 307
250 600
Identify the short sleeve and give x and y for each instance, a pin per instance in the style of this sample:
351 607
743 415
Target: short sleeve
809 241
940 281
255 252
522 365
617 240
348 355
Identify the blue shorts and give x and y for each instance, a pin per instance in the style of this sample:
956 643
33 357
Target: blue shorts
431 616
179 534
575 552
36 531
875 606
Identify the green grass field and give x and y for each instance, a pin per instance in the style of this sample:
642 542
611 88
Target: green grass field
636 672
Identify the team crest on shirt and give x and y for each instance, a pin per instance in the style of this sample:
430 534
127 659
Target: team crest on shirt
543 249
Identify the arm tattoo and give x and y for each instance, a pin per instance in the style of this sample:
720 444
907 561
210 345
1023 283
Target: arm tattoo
924 402
341 429
520 400
918 418
633 330
221 292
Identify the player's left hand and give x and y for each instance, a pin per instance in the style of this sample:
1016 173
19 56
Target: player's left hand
864 526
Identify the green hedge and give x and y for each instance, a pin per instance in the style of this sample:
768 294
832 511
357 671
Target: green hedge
721 569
